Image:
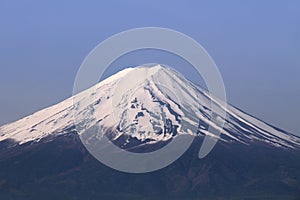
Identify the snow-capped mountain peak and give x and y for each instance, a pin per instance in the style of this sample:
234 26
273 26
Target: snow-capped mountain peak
149 104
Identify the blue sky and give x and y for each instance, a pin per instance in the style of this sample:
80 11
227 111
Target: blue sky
255 44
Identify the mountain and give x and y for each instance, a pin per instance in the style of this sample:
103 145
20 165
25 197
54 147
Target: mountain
138 103
141 110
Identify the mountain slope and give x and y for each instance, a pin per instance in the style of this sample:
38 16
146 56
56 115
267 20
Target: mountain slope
42 155
149 104
62 169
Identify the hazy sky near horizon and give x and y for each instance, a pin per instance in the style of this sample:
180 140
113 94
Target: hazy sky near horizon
255 44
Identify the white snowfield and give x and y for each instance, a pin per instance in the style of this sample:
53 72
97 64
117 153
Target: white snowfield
149 104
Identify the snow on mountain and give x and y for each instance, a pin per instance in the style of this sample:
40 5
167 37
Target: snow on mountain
149 104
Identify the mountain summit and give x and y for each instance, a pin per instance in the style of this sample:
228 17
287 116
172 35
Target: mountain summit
42 156
148 104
